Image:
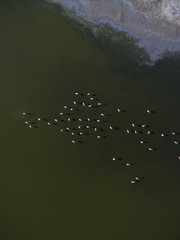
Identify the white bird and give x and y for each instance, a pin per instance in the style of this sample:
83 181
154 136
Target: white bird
81 133
73 141
26 122
143 125
162 134
49 123
137 178
173 133
55 120
102 114
149 132
135 132
30 126
79 126
71 109
95 129
74 103
128 164
141 142
133 124
80 119
98 136
98 120
76 93
90 105
179 157
99 104
110 127
176 142
148 111
133 181
72 133
114 159
92 99
118 110
88 119
127 131
83 104
67 128
62 130
69 119
88 94
87 126
61 113
39 119
24 113
150 149
65 106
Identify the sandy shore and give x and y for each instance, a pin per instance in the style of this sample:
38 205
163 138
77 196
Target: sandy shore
156 24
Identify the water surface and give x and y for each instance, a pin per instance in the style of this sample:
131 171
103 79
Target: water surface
53 189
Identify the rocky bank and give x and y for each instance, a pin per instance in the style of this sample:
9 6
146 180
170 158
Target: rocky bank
155 23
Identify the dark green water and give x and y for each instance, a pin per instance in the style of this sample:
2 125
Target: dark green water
53 189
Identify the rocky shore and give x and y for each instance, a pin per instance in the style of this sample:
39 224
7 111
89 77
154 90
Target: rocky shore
155 23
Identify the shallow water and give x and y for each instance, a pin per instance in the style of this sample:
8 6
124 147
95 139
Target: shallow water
53 189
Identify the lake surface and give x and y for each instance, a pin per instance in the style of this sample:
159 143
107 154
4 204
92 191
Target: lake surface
54 189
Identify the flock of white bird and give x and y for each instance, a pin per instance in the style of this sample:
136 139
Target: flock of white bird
93 102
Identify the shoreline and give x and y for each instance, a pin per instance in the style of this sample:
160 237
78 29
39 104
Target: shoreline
156 37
